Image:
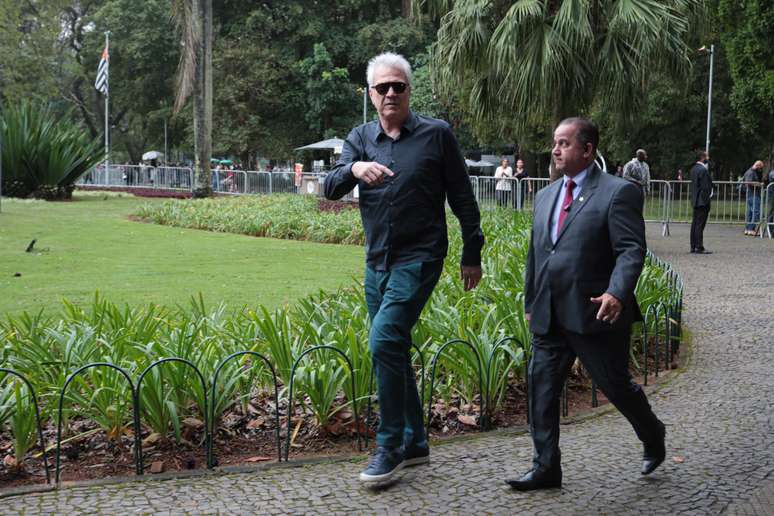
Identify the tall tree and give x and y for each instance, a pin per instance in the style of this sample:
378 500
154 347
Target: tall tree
28 49
746 30
195 79
521 66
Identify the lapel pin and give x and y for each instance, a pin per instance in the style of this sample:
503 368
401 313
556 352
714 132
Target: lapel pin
581 199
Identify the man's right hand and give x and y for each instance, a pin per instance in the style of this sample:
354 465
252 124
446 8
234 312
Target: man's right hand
370 172
528 316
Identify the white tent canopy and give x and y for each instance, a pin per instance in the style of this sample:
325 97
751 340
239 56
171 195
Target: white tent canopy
478 164
334 144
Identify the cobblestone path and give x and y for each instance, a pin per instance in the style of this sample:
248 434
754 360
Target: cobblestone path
719 416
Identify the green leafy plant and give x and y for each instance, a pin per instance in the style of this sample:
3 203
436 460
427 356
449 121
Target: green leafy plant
321 381
44 153
17 413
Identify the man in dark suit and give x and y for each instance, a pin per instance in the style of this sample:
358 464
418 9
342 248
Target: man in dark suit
701 193
586 254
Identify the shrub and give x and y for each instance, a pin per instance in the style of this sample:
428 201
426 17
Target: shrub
44 153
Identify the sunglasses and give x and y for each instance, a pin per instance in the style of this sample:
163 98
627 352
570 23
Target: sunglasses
383 88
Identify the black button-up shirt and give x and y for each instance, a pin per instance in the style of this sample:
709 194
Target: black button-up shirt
404 218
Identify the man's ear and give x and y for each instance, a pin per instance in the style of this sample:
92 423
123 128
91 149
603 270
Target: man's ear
589 150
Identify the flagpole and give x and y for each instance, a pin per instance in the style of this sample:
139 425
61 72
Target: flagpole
107 107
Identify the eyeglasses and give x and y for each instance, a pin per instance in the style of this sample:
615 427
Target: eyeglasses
383 88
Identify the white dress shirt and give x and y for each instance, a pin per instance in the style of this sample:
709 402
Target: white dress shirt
578 180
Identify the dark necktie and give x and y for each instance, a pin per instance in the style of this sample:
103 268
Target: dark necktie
565 205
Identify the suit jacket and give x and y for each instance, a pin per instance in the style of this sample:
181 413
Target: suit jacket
701 185
600 248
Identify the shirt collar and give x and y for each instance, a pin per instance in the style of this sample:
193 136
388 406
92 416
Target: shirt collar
579 179
410 124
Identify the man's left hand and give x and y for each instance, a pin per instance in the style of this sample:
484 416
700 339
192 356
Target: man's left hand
470 276
610 307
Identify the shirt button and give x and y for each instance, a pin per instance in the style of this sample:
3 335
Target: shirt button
553 252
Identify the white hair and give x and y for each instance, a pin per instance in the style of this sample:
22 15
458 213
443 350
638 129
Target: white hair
388 60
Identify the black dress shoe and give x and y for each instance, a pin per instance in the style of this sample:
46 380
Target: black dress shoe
654 454
702 251
537 479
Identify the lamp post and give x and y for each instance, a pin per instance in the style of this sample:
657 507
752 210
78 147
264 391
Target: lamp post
365 104
711 51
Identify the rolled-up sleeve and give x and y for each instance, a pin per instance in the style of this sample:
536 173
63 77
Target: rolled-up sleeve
461 199
340 180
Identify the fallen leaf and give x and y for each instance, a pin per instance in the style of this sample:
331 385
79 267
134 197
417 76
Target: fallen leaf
335 428
152 439
678 459
467 420
258 422
258 458
192 422
157 467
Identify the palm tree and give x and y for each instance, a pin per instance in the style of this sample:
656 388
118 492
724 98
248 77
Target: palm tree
521 66
194 76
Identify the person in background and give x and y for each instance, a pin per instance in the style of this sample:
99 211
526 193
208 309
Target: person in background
216 177
770 196
503 174
619 170
637 171
521 173
752 183
680 174
701 194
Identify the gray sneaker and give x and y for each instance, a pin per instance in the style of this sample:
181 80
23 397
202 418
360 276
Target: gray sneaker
384 464
416 455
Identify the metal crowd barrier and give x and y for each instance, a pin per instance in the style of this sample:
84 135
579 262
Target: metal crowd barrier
767 211
657 207
666 202
528 189
229 181
728 203
139 176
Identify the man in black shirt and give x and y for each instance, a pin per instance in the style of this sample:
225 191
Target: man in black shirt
701 193
406 166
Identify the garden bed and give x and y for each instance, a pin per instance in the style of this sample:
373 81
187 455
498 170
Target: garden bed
250 439
139 191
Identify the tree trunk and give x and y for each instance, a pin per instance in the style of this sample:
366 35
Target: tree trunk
405 8
202 99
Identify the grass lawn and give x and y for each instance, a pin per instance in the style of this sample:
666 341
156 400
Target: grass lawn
90 244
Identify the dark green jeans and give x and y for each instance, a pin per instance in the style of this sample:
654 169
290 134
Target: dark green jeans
395 299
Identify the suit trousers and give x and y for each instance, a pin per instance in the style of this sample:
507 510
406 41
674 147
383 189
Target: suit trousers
395 299
606 358
698 222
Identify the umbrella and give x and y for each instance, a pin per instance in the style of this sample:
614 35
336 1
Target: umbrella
334 144
478 164
152 155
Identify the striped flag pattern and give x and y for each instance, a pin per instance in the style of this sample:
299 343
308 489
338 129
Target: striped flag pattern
102 73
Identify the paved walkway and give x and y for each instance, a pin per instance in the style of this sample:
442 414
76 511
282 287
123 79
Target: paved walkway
719 416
